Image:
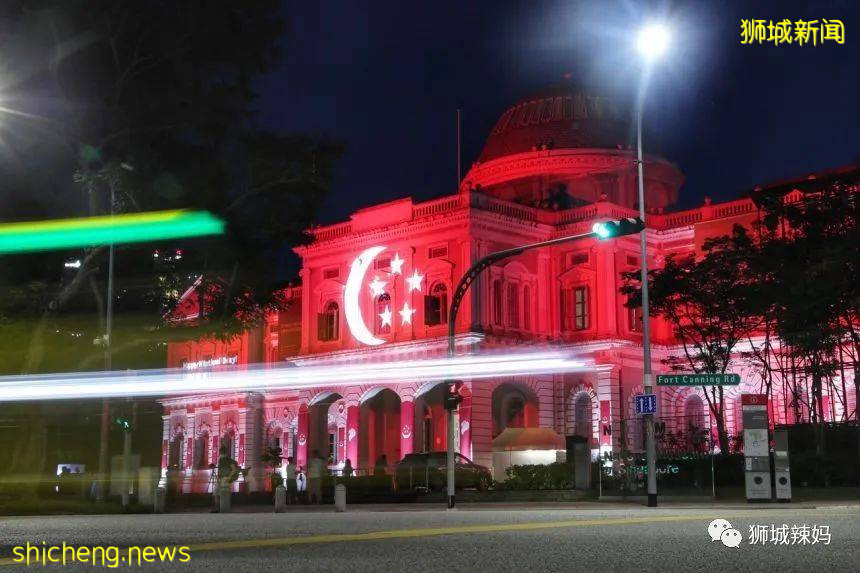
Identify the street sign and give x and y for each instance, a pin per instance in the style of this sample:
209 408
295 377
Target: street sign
698 379
646 404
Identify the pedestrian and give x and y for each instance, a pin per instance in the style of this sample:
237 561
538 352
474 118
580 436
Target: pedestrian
301 485
290 479
381 467
347 469
315 477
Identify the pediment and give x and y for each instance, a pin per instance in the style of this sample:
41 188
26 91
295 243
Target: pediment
576 274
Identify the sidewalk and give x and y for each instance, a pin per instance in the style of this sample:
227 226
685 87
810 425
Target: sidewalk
553 506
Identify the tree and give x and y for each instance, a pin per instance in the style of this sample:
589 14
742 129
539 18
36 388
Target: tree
153 102
150 102
707 302
808 259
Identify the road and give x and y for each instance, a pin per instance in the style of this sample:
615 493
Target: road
406 538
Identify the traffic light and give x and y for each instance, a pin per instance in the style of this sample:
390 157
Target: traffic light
452 395
618 227
123 423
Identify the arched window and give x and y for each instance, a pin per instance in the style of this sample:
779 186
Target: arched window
514 414
383 314
228 446
174 453
273 437
328 322
527 307
694 412
436 305
513 305
497 302
201 451
694 416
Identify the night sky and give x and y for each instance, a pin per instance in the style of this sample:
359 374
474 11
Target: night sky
388 77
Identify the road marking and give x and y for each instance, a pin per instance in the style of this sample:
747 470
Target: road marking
434 531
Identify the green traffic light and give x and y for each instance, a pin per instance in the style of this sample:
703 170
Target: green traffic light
617 228
602 230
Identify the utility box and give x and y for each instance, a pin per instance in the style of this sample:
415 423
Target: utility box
280 499
340 497
581 459
757 471
781 469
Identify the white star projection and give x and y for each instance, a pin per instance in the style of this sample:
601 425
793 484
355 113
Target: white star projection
377 287
385 316
397 265
406 314
415 281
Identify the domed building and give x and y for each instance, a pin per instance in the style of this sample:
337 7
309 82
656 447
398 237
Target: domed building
376 289
560 148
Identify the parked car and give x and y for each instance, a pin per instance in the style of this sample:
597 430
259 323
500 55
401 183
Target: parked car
428 470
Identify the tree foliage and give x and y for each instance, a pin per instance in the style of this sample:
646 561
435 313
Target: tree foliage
707 301
153 103
807 267
782 294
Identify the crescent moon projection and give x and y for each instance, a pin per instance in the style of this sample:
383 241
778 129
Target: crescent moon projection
351 307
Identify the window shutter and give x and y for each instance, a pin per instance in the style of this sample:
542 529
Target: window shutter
320 326
431 310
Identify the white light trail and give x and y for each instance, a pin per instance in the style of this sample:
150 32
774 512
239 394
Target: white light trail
166 382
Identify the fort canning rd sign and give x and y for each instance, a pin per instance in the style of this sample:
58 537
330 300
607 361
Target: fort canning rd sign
698 379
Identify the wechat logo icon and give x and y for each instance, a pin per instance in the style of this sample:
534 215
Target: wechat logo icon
722 530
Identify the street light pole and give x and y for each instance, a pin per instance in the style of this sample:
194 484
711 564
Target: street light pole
651 42
600 231
647 375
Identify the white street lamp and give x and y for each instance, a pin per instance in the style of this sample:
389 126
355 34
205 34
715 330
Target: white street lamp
651 42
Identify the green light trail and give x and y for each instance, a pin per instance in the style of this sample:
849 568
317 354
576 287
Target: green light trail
117 229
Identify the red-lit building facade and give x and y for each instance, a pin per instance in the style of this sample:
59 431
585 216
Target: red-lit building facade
377 287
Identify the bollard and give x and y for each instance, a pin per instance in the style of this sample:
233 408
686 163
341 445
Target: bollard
158 499
280 499
224 499
340 497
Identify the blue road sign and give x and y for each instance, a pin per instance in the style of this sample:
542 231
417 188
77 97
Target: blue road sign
646 404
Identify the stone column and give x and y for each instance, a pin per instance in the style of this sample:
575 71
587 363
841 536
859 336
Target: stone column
466 426
608 384
407 431
605 303
481 424
190 428
352 424
545 293
302 437
216 434
309 322
165 449
250 441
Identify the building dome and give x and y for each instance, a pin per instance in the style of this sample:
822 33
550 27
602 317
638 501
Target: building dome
564 147
558 118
